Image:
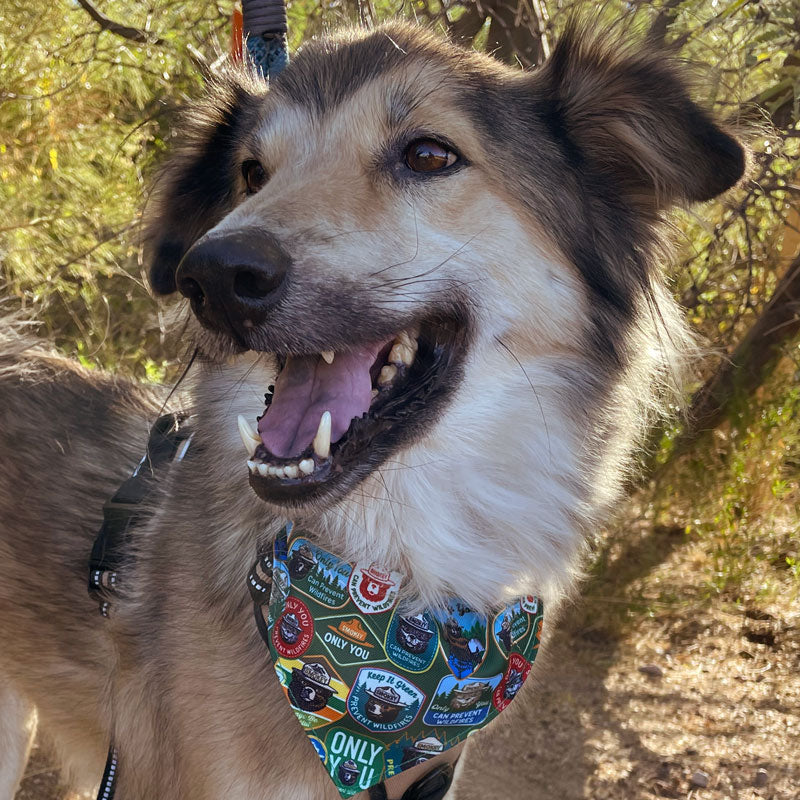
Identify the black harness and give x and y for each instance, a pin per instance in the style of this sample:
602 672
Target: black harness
169 441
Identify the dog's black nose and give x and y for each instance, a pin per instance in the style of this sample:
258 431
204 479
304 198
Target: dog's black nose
233 279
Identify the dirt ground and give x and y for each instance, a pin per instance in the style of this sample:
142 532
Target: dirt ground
647 704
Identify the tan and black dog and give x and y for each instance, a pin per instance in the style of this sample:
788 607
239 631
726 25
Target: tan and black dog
448 270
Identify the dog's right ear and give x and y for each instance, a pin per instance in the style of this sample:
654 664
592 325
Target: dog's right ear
628 122
195 188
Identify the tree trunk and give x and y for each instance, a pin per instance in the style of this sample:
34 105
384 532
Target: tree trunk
751 362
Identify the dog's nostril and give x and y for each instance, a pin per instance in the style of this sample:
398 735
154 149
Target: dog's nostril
190 288
254 285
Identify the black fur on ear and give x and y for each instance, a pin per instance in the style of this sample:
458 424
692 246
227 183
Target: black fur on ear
195 188
628 119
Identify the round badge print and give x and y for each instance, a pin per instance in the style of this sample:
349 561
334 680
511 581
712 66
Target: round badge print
373 589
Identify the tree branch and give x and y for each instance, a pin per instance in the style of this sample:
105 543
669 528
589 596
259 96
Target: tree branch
117 28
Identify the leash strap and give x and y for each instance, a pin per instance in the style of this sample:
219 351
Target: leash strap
264 24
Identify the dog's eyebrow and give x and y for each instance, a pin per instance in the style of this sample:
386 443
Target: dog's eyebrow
401 102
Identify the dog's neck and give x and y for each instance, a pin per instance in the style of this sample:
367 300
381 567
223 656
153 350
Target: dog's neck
439 511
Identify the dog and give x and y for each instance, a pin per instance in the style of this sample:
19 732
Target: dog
445 274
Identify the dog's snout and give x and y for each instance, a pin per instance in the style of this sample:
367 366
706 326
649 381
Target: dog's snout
235 278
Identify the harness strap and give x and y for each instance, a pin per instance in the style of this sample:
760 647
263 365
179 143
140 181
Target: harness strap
432 786
108 784
168 441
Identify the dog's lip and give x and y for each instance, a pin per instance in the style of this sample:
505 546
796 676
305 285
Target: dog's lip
400 387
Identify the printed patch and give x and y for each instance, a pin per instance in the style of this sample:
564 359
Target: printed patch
463 638
355 762
530 604
515 675
412 641
383 701
349 640
315 690
318 574
319 747
374 590
294 629
409 752
461 702
509 626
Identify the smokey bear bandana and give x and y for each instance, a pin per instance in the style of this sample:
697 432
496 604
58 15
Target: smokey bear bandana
377 690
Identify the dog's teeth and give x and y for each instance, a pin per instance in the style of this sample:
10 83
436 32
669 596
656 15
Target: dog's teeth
306 466
291 471
400 354
263 470
403 350
322 441
250 437
388 374
280 472
251 465
328 356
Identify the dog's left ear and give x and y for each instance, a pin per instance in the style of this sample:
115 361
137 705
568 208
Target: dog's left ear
627 120
195 188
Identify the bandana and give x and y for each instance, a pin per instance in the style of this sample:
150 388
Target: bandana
377 690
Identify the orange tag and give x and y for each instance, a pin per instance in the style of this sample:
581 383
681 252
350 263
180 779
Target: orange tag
237 35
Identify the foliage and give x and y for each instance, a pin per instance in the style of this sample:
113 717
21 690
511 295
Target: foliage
85 114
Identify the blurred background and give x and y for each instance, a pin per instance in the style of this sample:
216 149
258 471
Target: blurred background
677 673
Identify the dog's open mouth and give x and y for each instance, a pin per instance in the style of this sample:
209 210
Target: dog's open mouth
333 417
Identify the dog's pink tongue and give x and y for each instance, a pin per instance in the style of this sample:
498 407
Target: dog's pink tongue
307 387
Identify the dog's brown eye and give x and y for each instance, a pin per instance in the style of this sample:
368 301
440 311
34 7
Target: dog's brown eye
255 176
425 155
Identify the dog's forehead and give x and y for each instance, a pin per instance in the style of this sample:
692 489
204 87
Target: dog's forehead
416 98
326 72
389 80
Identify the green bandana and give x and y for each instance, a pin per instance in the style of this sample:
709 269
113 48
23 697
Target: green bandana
376 690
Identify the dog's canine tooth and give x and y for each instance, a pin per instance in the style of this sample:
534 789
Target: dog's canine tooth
250 437
263 470
328 356
322 441
251 465
388 374
290 471
306 466
408 341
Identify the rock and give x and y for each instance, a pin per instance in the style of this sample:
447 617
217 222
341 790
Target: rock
653 670
761 779
699 779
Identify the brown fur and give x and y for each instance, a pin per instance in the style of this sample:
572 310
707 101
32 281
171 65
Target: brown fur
569 169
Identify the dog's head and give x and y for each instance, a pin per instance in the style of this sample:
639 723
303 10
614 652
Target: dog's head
446 266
